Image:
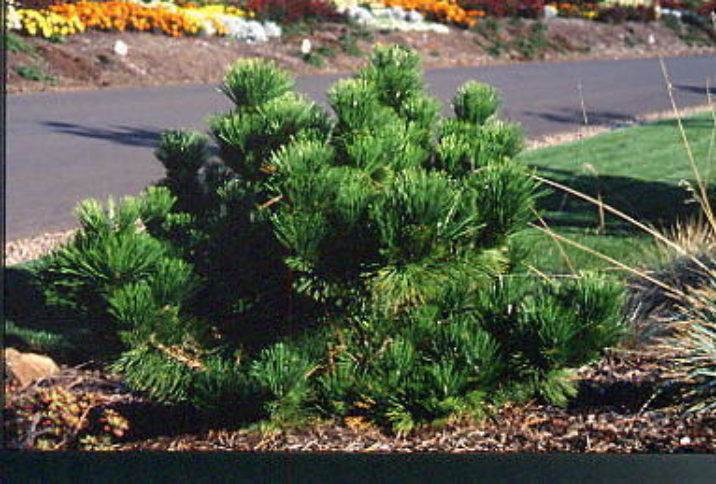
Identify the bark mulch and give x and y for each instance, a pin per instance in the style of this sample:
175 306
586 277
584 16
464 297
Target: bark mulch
621 407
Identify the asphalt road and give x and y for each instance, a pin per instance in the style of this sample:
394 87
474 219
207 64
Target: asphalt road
64 147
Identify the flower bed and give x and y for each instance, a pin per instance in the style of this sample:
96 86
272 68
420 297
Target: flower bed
259 21
446 11
159 17
394 19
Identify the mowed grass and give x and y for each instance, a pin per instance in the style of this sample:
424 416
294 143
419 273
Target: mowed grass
643 171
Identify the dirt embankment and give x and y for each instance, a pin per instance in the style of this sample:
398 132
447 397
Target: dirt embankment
88 61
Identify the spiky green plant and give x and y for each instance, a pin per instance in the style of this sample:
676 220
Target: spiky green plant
345 265
476 102
252 82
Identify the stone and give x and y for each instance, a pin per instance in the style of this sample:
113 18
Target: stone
120 48
28 367
306 47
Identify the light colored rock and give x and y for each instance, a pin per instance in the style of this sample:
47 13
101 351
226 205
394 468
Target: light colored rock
120 48
28 367
305 47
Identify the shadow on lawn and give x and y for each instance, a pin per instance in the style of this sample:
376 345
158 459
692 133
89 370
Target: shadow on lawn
32 324
126 135
659 204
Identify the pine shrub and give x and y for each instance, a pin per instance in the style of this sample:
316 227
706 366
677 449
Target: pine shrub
354 264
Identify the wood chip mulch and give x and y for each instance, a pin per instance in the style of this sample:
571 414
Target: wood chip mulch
512 429
617 411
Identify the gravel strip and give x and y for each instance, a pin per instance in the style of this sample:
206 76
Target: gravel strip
24 250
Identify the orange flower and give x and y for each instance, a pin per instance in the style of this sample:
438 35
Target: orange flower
120 15
440 10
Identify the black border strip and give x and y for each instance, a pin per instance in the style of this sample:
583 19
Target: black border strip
28 467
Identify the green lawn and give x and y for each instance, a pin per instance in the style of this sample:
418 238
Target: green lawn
638 170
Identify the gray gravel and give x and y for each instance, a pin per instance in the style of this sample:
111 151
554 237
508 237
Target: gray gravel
24 250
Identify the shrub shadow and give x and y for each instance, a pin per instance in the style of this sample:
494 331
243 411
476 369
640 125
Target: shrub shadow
659 204
696 89
32 324
126 135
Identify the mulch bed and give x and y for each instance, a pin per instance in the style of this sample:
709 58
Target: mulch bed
619 409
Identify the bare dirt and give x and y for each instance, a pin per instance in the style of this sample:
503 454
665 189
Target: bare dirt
88 61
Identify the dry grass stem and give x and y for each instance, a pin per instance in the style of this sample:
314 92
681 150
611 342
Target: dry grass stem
651 231
560 248
671 291
703 198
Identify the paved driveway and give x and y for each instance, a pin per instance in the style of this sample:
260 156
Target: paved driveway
64 147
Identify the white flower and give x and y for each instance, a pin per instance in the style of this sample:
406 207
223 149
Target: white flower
12 20
272 29
550 11
393 18
414 16
672 12
256 32
207 28
360 15
440 28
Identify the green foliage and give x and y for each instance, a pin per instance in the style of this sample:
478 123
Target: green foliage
502 194
35 340
182 153
524 42
476 102
349 40
252 82
126 282
325 51
465 147
549 328
15 44
355 265
185 375
514 341
35 73
282 374
106 254
394 73
247 137
314 58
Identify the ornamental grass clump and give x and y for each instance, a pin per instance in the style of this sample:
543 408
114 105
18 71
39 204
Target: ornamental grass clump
694 338
355 265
